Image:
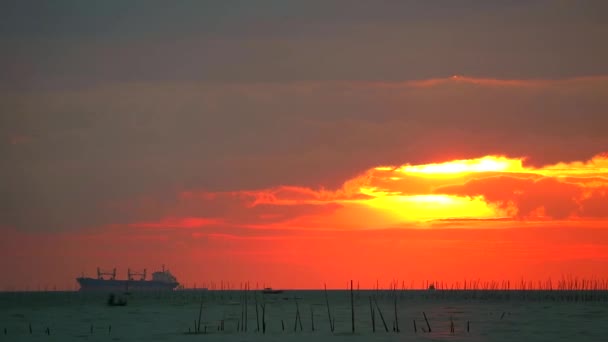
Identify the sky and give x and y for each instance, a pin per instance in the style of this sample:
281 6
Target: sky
297 144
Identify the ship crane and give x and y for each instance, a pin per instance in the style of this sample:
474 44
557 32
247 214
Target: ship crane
101 273
141 274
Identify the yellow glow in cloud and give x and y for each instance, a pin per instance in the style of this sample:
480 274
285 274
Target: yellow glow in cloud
392 190
596 166
420 208
485 164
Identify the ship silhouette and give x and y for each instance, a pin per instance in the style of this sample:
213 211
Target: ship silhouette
106 281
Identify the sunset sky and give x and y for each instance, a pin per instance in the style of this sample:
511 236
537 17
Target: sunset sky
293 144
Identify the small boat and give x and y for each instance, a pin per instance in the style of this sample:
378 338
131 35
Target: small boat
113 302
432 287
269 290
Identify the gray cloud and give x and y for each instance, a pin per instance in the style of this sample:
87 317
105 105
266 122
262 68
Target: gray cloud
104 102
69 44
97 145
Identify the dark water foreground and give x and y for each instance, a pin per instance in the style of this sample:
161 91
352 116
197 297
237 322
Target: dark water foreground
42 298
402 315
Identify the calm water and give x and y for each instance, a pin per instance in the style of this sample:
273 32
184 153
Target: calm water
490 316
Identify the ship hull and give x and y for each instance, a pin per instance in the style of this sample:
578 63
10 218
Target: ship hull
92 284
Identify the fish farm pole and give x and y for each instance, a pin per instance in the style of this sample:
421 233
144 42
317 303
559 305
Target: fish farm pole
352 306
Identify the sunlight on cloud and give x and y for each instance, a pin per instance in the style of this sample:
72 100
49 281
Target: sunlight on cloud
494 190
485 164
490 187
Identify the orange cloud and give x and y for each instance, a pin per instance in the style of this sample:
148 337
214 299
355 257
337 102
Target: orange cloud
491 217
488 189
493 82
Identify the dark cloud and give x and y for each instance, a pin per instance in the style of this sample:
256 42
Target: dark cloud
118 101
69 44
105 144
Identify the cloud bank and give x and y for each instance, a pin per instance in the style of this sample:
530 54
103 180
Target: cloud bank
78 150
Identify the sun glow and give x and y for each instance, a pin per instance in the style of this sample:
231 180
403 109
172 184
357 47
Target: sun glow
490 187
422 208
485 164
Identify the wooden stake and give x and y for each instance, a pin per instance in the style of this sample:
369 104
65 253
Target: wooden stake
381 315
298 317
242 311
295 323
331 325
257 319
427 321
371 312
396 317
263 318
200 312
352 306
415 329
312 318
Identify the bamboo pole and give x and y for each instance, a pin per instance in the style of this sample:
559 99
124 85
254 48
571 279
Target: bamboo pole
352 307
242 321
331 325
312 318
257 319
371 311
200 312
381 315
263 318
396 317
295 323
427 321
451 325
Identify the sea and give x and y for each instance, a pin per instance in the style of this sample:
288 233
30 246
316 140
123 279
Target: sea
310 315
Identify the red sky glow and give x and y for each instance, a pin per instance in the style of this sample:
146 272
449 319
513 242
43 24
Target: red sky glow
298 144
489 218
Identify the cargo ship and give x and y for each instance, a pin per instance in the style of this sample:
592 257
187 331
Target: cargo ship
106 281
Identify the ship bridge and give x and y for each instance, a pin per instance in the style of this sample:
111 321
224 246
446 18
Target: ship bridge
164 276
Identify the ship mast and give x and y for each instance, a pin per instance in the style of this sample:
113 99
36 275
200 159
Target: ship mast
101 273
141 274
